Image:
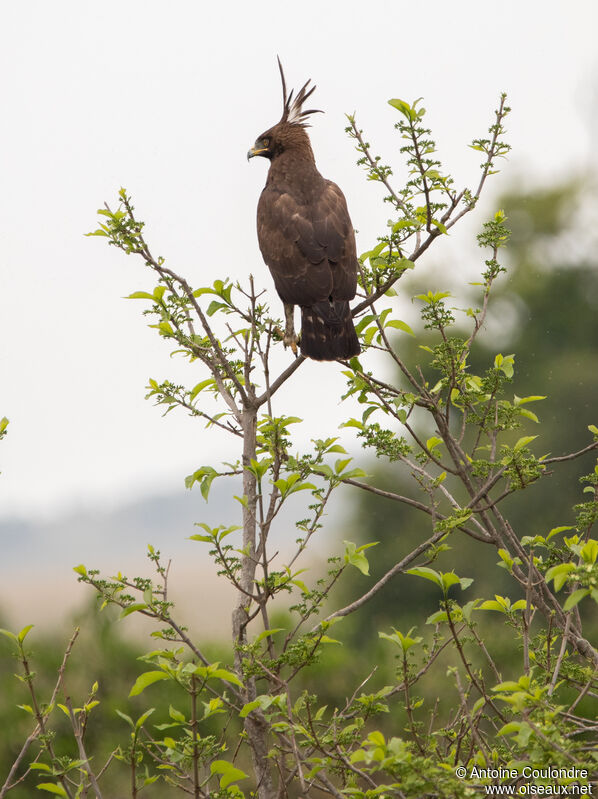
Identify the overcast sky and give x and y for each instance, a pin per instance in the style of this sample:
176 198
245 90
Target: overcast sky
165 99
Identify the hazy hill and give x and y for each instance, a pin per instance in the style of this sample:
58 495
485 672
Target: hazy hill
37 582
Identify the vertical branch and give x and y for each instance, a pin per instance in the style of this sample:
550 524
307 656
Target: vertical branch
41 716
408 706
78 733
134 769
255 723
526 616
195 735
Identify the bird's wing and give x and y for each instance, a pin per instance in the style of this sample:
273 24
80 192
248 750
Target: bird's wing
308 246
334 231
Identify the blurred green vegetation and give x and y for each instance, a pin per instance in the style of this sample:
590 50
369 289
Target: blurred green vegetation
544 309
103 653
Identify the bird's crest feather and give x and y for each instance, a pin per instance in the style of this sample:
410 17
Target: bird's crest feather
292 109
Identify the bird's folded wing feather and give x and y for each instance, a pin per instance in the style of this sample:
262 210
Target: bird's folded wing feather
308 246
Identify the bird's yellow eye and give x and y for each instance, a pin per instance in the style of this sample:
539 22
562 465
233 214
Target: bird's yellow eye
265 142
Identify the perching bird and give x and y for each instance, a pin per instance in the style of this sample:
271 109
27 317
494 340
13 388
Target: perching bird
306 237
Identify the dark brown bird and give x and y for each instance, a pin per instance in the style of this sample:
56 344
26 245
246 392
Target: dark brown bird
306 237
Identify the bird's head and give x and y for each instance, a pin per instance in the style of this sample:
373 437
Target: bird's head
279 139
289 132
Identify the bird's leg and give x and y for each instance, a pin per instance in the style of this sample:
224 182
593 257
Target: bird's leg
290 338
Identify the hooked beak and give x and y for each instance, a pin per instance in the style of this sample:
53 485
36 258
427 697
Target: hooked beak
253 151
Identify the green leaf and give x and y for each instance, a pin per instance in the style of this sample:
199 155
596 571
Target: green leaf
469 607
229 772
143 718
246 709
353 423
399 325
528 415
523 442
449 579
433 442
524 735
268 633
132 609
139 295
80 569
259 467
352 474
479 704
522 400
508 685
21 636
575 598
377 738
341 464
404 108
145 679
204 476
215 306
589 551
494 604
355 557
291 485
510 728
404 223
506 558
559 574
438 617
427 574
404 641
505 363
228 676
200 387
364 322
50 787
434 297
165 328
97 232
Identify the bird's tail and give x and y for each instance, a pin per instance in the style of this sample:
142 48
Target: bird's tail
327 331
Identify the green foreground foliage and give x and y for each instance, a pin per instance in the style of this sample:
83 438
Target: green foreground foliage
263 721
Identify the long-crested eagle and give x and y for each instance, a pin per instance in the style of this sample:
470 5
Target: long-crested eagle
306 237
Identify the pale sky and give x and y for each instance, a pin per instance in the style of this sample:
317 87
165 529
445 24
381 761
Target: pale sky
165 99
